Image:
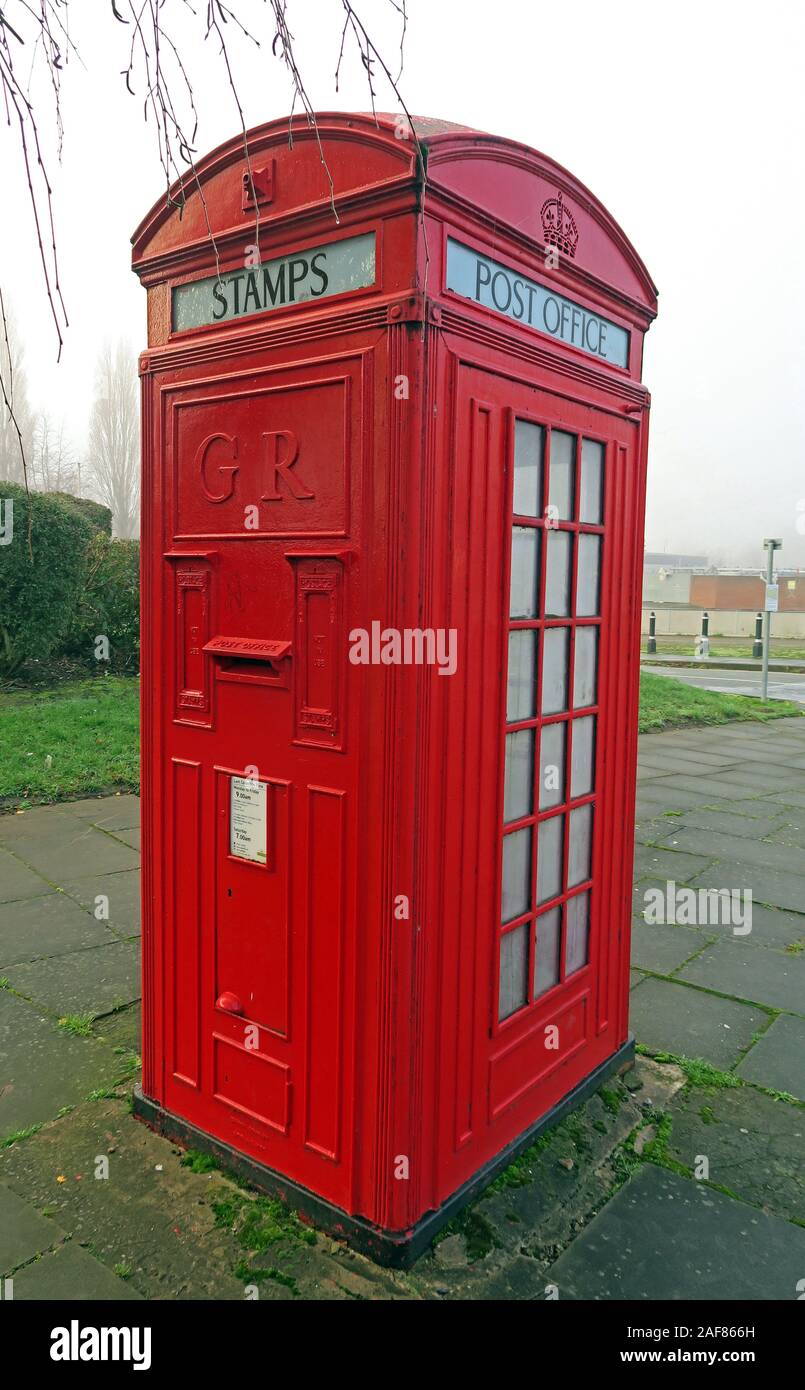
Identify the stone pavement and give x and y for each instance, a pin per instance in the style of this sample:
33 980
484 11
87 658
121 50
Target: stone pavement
685 1179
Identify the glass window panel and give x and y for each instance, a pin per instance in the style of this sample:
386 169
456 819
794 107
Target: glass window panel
557 576
585 670
550 846
516 887
563 474
528 446
591 501
518 791
513 992
552 766
582 774
555 651
521 694
577 932
581 845
549 941
525 571
587 586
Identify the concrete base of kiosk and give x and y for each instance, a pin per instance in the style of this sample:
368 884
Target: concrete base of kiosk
396 1249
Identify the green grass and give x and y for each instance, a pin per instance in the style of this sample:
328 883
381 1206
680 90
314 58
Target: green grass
666 703
78 1024
82 736
69 741
719 646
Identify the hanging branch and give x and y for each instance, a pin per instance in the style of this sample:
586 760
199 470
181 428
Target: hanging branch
159 67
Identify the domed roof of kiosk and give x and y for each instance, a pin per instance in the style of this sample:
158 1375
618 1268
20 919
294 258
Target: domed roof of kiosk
500 181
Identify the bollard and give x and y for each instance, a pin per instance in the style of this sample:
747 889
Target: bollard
651 645
701 646
757 645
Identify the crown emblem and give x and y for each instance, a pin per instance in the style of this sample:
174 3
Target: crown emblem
559 226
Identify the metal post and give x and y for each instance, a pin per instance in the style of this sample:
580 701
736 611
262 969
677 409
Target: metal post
651 645
769 546
757 645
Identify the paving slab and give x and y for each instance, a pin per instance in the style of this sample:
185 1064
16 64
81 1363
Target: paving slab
785 799
769 927
128 837
748 808
43 1068
662 949
753 1145
668 1237
751 972
92 981
727 823
652 829
24 1231
774 888
789 833
61 856
714 844
123 893
667 864
40 820
17 881
653 795
671 1017
112 812
44 927
71 1275
777 1060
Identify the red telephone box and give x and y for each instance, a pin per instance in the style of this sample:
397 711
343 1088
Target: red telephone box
394 455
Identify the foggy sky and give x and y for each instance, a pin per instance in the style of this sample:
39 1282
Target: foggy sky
685 120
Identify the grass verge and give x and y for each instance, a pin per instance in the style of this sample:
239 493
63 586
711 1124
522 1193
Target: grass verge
666 703
69 741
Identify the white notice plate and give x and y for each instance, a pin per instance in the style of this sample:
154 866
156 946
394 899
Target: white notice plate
247 819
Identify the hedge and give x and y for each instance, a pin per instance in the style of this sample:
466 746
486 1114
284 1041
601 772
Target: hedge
109 605
42 573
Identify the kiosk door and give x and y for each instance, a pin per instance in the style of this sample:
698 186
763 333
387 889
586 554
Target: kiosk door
551 599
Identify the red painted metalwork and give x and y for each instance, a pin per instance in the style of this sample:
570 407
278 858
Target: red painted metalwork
332 1011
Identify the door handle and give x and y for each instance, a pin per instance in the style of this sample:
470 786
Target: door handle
229 1002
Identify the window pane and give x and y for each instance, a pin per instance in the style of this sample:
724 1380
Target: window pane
583 761
549 938
518 792
525 569
516 889
549 858
589 549
554 670
513 971
528 445
585 672
581 845
557 577
521 695
591 501
552 766
577 932
563 473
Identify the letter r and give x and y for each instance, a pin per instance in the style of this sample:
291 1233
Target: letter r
282 451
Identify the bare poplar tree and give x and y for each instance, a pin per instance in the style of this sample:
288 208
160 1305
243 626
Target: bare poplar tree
53 465
16 419
113 463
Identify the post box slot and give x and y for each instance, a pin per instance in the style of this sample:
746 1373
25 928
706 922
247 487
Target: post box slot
250 659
